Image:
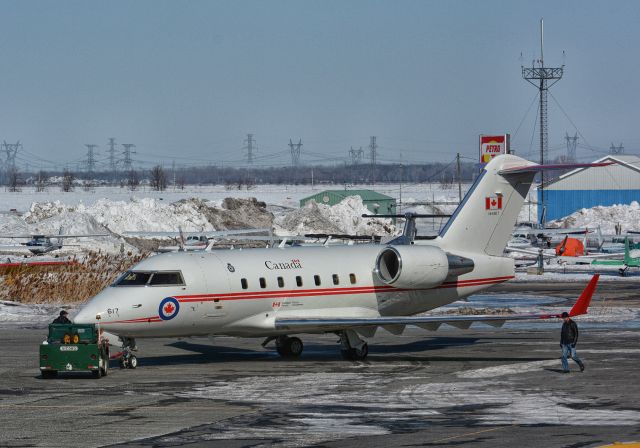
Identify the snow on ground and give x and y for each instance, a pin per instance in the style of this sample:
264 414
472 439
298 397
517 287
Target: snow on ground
19 313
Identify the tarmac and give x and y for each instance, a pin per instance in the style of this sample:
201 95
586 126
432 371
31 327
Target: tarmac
481 387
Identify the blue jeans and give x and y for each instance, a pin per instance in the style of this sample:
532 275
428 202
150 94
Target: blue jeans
569 351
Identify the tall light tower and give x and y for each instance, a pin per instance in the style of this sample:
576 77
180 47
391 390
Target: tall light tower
542 78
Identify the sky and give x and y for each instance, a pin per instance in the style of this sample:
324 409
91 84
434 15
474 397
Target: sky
186 81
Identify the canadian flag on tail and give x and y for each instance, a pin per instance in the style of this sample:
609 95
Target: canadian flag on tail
493 202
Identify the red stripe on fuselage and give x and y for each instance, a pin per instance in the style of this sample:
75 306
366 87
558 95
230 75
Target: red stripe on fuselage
253 295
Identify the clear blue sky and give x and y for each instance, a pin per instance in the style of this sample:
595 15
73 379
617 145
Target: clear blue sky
188 80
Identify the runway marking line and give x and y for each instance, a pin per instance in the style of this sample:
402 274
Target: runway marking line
472 433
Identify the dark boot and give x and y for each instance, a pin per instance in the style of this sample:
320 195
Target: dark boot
581 366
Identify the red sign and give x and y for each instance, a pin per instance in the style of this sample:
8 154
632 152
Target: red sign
492 145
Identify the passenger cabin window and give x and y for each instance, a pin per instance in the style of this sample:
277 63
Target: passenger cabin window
316 278
336 279
244 284
166 279
352 278
281 282
132 278
263 282
298 280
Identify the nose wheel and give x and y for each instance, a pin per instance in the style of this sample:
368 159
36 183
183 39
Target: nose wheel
289 347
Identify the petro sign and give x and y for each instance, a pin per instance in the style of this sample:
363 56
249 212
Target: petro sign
492 145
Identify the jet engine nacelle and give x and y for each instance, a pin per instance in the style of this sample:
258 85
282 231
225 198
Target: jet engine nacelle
412 266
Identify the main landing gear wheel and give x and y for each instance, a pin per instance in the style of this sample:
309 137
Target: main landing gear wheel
289 347
355 354
352 348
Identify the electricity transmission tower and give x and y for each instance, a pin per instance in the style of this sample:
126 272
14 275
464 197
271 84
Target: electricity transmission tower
356 155
616 149
9 163
112 155
91 158
127 162
373 155
542 78
249 146
572 143
295 152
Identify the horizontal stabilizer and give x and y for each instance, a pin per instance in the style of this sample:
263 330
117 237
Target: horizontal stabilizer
539 168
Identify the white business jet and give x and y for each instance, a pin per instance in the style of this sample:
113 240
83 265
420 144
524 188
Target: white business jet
347 290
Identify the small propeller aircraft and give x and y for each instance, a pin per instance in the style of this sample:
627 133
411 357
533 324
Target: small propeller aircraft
349 290
40 243
631 259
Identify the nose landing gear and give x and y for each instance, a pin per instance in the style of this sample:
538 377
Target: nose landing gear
126 358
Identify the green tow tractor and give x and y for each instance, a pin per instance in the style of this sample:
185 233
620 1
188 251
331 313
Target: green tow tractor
74 348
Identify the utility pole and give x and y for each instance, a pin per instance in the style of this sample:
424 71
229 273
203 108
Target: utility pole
542 78
373 154
458 174
127 161
356 155
616 149
249 142
572 143
91 158
295 152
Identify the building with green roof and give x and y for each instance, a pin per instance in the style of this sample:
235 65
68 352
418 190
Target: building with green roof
377 203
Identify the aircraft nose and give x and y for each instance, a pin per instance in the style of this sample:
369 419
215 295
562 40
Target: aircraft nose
86 315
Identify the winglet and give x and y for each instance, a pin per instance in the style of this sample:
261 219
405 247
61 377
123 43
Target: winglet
585 298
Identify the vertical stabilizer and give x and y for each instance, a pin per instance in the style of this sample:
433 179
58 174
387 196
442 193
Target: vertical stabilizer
484 220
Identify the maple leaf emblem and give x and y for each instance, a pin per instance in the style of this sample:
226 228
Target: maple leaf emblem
493 203
168 308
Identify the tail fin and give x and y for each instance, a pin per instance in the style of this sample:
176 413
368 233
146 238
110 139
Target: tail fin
484 220
582 304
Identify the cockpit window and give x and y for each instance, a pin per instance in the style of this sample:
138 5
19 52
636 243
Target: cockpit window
132 278
166 279
158 278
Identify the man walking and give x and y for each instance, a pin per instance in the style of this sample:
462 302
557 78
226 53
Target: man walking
568 341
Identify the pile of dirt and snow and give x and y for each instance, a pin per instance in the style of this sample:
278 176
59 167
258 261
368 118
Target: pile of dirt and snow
343 218
628 216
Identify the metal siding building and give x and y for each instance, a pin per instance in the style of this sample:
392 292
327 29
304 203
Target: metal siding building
588 187
376 202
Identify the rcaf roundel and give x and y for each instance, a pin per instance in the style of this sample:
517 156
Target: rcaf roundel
493 202
168 308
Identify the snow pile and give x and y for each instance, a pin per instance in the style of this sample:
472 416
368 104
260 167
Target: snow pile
605 217
343 218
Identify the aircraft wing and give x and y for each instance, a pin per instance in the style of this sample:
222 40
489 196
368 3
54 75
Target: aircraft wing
396 324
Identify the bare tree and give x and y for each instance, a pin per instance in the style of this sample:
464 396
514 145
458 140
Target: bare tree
158 178
13 180
133 180
181 180
67 181
41 181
